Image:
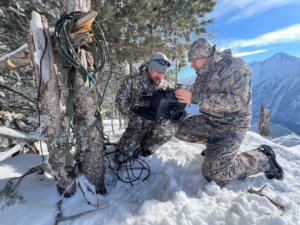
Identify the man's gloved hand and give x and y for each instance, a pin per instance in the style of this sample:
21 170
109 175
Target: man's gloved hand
183 96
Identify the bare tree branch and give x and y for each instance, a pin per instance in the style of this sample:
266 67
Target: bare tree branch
10 152
8 132
16 59
259 193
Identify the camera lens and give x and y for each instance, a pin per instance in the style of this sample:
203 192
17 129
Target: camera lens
177 115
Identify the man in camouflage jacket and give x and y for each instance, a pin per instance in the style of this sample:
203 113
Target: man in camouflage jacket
223 92
143 137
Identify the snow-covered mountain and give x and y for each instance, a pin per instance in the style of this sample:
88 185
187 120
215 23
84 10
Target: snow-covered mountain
276 83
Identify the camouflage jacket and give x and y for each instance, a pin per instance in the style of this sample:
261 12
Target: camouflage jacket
223 89
132 89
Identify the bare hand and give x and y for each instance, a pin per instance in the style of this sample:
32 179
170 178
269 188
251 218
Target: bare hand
183 96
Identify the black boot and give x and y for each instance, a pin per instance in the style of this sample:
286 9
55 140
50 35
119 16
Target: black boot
275 171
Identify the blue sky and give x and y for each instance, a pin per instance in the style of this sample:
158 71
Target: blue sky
256 29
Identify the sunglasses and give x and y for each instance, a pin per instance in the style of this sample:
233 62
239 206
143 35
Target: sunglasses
162 62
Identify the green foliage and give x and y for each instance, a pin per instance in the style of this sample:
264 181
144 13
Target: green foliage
4 3
14 20
15 16
134 29
9 195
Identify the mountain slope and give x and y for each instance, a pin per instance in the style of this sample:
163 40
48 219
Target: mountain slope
276 83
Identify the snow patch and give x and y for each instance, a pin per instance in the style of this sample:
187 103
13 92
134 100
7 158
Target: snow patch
175 193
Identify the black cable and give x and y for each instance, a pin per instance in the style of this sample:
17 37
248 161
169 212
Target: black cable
75 62
110 63
70 52
130 166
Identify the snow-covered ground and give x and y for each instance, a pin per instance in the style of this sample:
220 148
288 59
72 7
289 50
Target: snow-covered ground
290 140
175 193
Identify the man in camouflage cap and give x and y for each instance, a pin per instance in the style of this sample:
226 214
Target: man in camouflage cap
223 92
143 137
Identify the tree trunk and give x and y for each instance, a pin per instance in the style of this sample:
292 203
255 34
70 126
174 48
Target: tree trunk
51 117
75 5
89 141
264 122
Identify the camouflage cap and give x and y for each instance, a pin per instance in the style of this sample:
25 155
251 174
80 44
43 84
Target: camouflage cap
201 48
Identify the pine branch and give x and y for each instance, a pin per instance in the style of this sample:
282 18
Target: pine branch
9 195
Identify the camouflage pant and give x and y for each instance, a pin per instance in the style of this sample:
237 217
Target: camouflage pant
221 162
145 136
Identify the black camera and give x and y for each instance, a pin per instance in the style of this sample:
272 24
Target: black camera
163 105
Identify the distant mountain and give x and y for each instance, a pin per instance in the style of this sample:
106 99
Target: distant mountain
276 83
